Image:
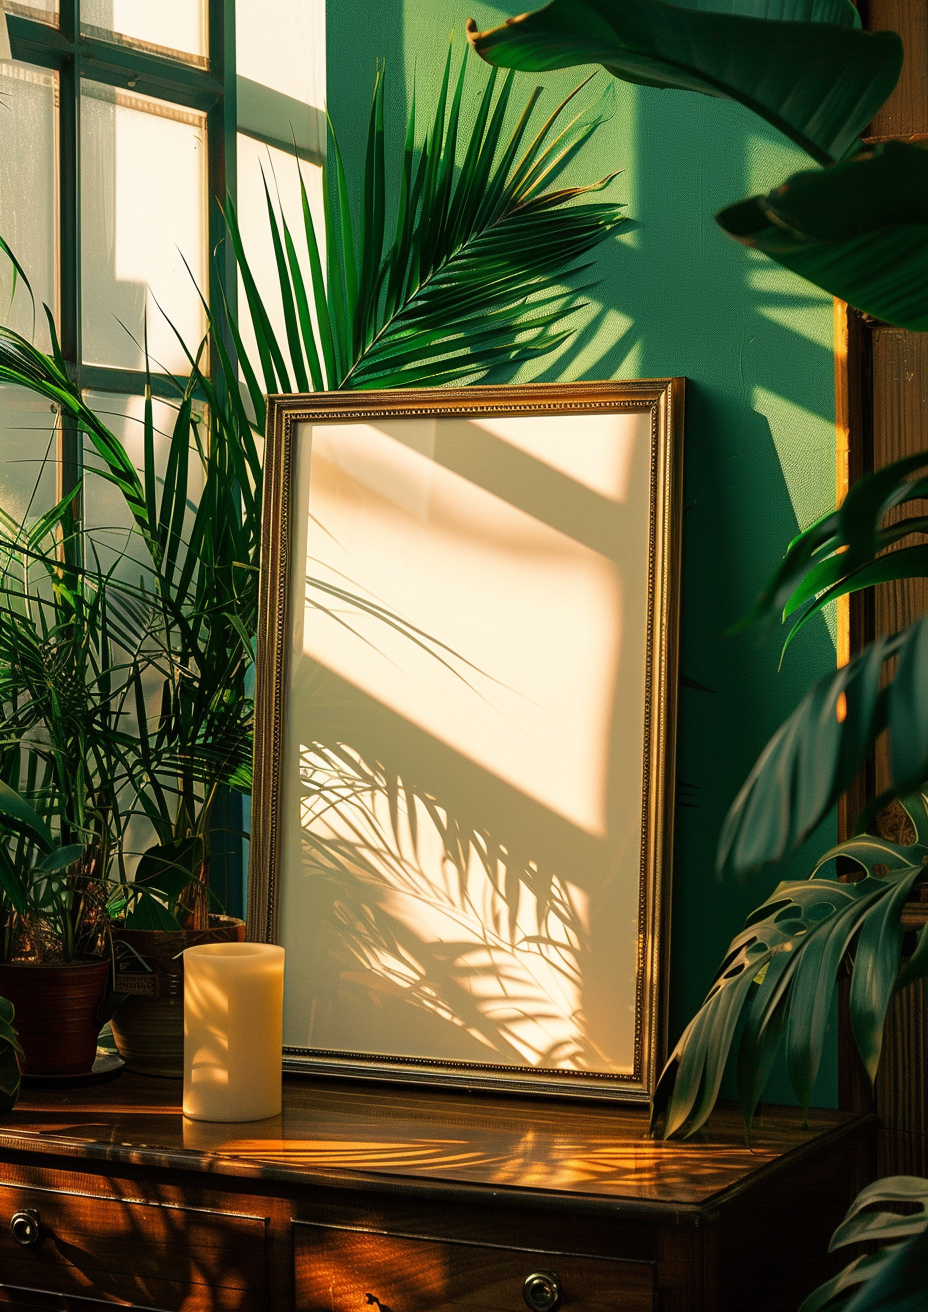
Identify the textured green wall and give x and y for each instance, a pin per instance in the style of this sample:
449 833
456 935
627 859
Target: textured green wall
755 344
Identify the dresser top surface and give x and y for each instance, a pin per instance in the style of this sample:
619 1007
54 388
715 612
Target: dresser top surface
341 1132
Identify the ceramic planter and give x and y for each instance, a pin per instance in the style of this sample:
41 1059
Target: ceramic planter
56 1014
149 1024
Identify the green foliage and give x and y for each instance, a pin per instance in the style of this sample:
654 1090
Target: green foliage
466 278
894 1278
69 646
779 976
859 230
469 280
803 65
815 755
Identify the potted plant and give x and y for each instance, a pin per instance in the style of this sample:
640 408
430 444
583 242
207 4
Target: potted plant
64 650
471 280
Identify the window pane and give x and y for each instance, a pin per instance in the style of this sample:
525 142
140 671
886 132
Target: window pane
28 453
143 209
28 194
165 27
43 11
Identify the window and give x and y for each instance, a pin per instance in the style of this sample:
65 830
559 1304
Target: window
118 133
117 136
133 107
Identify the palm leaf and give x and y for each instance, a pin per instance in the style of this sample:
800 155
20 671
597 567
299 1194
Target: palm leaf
479 239
803 65
779 974
858 229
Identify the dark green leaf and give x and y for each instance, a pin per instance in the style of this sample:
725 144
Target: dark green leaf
858 229
803 65
780 973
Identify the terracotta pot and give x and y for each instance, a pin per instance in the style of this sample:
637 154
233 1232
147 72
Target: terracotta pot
56 1014
149 1025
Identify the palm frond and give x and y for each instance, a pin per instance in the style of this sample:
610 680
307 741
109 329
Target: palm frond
479 239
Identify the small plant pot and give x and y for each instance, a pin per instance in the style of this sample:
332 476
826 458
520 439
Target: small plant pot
149 1024
56 1017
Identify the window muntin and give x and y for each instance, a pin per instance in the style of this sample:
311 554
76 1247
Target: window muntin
41 11
176 29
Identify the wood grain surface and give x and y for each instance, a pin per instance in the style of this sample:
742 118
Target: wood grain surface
363 1196
329 1128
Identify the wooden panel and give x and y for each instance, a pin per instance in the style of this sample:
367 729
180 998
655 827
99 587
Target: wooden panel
351 1271
124 1250
900 428
902 1086
498 1220
906 111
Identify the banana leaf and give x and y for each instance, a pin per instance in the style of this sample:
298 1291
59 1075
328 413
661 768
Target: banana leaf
858 229
803 65
779 976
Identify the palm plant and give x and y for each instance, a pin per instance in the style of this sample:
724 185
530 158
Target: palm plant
470 281
68 655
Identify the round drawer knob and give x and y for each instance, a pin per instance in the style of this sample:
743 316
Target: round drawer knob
26 1228
542 1291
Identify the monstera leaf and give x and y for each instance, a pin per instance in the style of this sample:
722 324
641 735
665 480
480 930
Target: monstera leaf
803 65
779 975
857 229
893 1278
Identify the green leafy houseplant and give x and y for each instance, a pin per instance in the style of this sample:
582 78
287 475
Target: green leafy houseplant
779 973
465 277
893 1277
65 649
857 227
470 281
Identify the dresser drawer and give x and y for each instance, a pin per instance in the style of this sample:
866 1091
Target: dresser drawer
354 1271
130 1251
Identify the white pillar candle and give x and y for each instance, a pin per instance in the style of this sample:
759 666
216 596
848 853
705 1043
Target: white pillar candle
233 1031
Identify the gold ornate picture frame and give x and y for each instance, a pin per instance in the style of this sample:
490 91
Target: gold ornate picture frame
466 687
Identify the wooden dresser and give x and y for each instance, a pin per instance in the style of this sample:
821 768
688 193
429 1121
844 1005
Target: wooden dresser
365 1197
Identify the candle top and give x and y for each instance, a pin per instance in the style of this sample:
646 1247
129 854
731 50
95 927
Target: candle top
271 952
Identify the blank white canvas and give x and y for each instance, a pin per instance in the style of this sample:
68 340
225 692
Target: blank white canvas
461 799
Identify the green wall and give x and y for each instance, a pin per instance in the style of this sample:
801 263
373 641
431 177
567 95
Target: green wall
755 344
